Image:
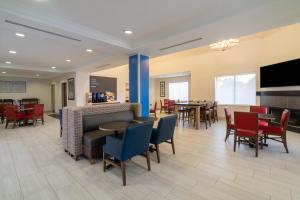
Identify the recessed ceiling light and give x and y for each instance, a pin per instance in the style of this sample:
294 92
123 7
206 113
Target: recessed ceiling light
53 67
12 52
3 72
89 50
20 35
128 32
7 62
68 60
37 75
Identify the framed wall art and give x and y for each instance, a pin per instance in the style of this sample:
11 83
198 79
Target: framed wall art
162 88
71 89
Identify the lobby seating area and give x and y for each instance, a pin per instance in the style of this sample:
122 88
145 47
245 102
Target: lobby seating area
143 100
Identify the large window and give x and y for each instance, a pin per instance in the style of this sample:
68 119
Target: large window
236 89
179 91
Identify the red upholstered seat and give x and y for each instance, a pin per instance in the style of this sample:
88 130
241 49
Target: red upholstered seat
259 109
231 126
152 110
274 130
262 123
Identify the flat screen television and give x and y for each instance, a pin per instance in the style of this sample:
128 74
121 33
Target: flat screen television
280 74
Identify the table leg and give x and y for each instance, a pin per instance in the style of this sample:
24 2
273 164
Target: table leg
197 117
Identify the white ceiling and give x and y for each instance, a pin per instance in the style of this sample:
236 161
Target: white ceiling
99 25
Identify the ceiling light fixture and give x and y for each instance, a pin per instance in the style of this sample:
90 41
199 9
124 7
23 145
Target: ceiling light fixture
20 35
3 72
7 62
128 32
68 60
12 52
89 50
37 75
53 67
225 44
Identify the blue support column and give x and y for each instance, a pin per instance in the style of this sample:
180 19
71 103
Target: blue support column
139 82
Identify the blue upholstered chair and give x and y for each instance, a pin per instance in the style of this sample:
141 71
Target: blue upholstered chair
164 133
60 121
135 141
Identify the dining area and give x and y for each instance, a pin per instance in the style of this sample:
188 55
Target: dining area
19 115
256 127
191 113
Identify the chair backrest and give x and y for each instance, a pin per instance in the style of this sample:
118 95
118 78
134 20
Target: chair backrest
285 116
155 105
166 102
259 109
1 108
171 103
29 105
166 127
246 121
10 112
228 116
136 139
38 110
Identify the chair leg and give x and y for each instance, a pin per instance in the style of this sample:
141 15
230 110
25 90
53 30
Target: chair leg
123 169
6 123
43 120
261 143
173 146
234 143
104 162
285 144
256 146
157 153
227 133
60 131
148 160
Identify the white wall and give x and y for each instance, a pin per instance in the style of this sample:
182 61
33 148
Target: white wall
35 88
58 97
122 75
253 51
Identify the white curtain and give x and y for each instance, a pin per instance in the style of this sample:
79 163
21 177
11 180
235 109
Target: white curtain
179 91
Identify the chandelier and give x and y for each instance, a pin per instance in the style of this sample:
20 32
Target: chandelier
225 44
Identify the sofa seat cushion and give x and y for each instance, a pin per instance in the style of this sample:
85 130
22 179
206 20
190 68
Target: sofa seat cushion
95 138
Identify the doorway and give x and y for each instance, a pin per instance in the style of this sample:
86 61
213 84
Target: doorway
53 98
64 94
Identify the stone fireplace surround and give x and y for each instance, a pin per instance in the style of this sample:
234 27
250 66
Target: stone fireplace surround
277 101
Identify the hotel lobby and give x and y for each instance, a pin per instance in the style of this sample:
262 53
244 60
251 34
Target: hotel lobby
166 100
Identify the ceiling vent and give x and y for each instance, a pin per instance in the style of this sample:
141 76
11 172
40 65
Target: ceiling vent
42 30
101 66
182 43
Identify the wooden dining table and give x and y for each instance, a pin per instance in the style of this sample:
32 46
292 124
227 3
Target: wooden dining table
197 105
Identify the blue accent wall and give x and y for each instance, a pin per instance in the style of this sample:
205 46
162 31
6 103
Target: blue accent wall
144 85
139 82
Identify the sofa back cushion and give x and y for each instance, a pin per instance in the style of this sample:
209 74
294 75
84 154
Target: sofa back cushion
92 122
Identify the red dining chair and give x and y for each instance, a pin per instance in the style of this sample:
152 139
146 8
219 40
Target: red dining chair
153 110
29 105
164 106
12 115
2 113
38 113
260 110
229 123
278 133
171 106
246 126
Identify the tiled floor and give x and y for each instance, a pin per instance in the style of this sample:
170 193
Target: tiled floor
33 165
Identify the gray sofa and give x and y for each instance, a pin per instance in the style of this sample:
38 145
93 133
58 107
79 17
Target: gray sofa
80 126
